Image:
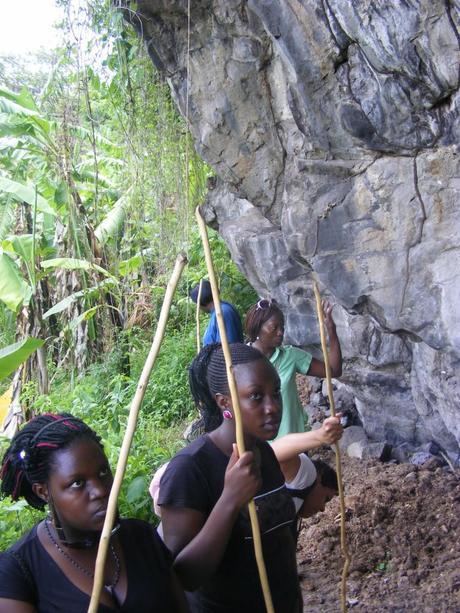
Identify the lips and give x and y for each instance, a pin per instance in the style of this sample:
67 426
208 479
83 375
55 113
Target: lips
101 512
272 425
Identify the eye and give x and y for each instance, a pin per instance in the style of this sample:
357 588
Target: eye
255 396
77 484
104 472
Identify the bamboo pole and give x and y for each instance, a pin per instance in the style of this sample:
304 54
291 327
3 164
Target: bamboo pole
338 464
197 317
236 409
181 261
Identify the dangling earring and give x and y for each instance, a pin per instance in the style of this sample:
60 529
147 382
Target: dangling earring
227 414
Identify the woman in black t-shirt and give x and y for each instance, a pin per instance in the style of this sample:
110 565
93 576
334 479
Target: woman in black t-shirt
59 461
206 487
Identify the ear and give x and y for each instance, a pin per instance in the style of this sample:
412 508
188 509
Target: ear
41 490
223 401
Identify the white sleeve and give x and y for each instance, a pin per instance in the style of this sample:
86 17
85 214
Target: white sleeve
306 475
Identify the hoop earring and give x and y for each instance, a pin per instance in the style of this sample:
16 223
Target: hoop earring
227 414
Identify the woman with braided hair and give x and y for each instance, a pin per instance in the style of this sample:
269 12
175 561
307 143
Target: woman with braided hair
206 487
58 461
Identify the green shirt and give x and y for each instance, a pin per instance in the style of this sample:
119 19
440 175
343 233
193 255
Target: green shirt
288 361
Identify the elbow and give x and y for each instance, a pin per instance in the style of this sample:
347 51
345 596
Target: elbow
187 579
336 371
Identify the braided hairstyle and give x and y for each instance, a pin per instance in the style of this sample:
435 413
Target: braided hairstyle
257 316
208 377
29 457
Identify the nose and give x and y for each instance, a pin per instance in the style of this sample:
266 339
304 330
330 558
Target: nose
98 489
272 405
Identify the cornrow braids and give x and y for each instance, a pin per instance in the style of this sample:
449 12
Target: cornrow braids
208 377
256 317
30 455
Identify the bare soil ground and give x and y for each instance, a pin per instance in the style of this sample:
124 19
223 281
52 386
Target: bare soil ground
403 534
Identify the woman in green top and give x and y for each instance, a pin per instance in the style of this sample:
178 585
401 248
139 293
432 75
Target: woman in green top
264 327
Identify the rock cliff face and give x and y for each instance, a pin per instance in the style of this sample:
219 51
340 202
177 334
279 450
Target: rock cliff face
333 129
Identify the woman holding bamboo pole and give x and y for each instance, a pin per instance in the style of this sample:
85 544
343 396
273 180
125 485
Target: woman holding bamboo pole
57 461
206 487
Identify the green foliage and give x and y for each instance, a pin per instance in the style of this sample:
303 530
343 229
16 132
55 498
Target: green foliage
13 355
98 184
14 291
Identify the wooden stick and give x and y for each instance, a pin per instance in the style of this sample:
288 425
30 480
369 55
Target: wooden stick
198 304
129 434
338 464
236 409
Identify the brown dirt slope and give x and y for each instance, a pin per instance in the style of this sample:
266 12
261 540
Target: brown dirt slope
403 532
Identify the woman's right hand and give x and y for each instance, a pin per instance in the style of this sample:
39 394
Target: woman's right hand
242 478
331 430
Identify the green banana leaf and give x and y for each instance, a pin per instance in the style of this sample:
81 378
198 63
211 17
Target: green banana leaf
14 291
89 292
112 225
13 355
23 246
25 193
73 264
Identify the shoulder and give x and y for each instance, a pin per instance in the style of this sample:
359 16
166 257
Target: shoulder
140 540
228 308
267 452
195 457
293 351
270 465
16 568
295 355
193 477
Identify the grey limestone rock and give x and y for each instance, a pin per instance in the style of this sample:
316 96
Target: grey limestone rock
333 131
351 435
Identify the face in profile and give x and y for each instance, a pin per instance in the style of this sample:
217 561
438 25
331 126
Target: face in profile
79 485
271 332
317 499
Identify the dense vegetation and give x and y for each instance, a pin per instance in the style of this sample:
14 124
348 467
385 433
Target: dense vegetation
98 182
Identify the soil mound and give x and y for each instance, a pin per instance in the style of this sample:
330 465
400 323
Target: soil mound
403 533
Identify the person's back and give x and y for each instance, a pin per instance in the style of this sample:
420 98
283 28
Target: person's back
233 326
231 317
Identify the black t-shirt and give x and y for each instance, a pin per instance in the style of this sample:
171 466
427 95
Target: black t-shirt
28 573
194 479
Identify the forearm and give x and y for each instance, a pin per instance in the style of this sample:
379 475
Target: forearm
335 353
200 558
289 446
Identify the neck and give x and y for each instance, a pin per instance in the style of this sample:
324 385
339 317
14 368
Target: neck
224 437
73 540
267 351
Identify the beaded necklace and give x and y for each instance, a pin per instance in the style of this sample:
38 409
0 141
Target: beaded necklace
109 587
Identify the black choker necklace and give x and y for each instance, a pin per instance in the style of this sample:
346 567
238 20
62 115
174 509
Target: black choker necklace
109 587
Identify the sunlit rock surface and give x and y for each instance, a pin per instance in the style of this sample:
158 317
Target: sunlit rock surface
333 128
